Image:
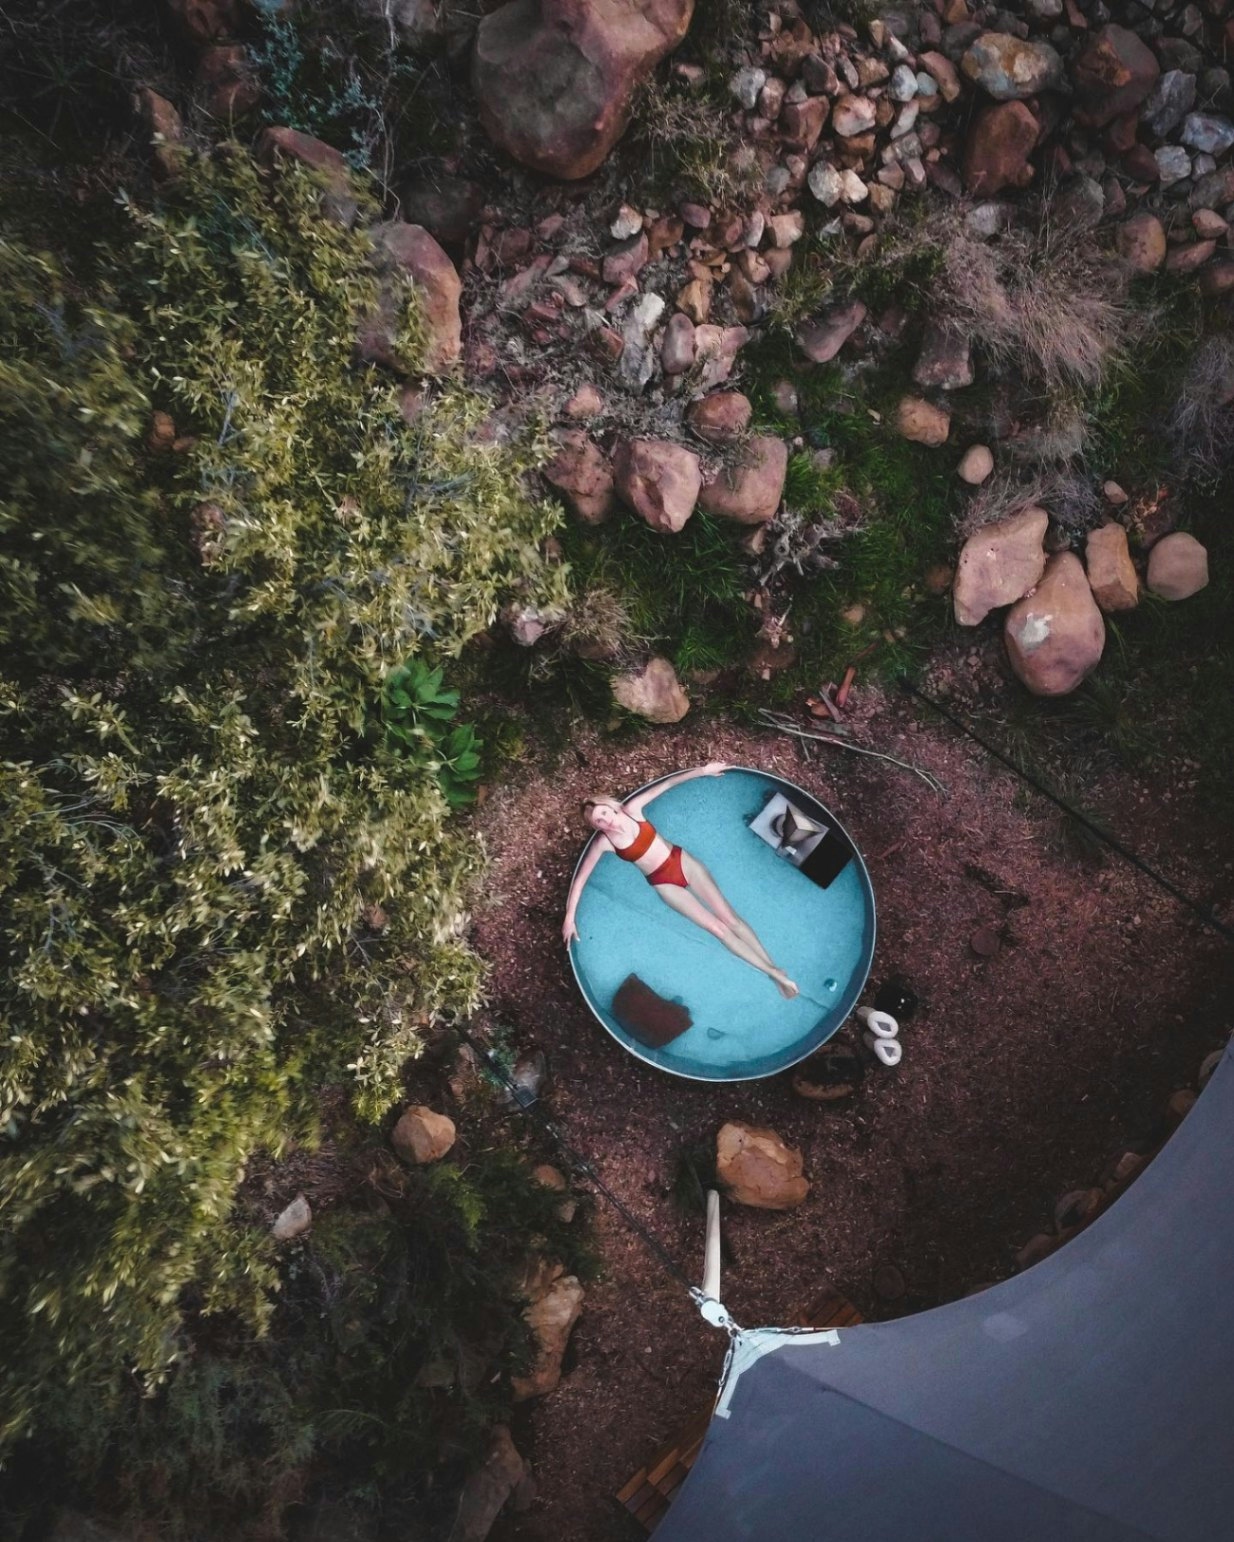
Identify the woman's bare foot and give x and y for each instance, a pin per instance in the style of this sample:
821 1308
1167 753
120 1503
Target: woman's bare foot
784 985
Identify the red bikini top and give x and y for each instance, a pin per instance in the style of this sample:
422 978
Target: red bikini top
640 845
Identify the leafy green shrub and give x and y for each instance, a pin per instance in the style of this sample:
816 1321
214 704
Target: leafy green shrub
196 824
414 711
377 1375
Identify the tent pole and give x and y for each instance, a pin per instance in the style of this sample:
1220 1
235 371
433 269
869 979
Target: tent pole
711 1260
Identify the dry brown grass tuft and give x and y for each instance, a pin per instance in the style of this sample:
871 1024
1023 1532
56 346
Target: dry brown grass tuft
1070 498
1200 426
1047 302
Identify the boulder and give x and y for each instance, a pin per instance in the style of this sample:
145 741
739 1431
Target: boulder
554 1302
227 81
293 1221
1009 68
653 692
408 251
999 564
976 465
715 353
554 79
421 1135
658 480
922 422
821 339
328 163
582 475
756 1168
750 490
1112 75
1111 572
1177 566
1055 636
677 345
585 403
945 360
997 149
1141 242
205 21
720 417
488 1488
162 123
853 115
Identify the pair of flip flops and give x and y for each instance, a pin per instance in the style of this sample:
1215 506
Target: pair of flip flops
881 1035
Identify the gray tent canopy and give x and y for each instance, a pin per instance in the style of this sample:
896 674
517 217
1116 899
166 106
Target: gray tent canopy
1090 1397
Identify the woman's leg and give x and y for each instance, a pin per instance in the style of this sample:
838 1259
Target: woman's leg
693 909
709 892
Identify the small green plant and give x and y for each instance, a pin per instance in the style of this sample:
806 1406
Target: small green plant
414 713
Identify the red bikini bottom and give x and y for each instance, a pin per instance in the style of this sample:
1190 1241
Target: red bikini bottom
670 871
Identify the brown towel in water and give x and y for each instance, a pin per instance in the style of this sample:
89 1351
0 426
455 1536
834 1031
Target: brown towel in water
648 1017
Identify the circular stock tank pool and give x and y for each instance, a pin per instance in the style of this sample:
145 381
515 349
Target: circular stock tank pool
799 883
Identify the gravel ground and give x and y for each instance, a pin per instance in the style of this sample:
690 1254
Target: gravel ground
1025 1075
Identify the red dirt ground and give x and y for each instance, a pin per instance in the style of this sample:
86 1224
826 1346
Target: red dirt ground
1024 1075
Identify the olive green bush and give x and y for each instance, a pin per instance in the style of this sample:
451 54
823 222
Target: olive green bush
196 822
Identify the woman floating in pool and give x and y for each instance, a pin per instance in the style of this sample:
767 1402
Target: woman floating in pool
681 881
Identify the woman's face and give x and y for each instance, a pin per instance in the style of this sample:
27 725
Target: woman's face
605 817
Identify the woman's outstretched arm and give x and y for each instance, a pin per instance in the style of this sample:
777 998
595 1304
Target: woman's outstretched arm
599 845
639 802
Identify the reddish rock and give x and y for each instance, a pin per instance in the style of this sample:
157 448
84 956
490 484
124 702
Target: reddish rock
715 352
205 21
922 422
749 491
1055 636
585 403
756 1168
653 692
554 79
997 149
677 346
321 158
1141 242
582 475
1189 259
1112 75
1177 566
408 251
999 564
820 340
162 123
658 480
1140 164
976 464
627 259
421 1135
801 123
226 80
1111 572
555 1302
1219 279
720 417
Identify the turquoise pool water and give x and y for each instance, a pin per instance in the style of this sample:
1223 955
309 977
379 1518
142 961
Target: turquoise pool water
742 1027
